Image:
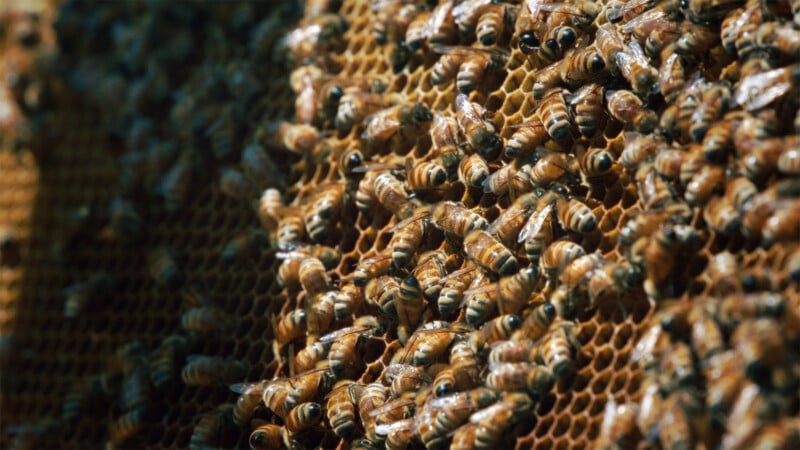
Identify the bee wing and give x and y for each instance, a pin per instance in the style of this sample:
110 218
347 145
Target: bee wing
631 5
581 93
456 274
409 220
247 388
330 337
375 259
759 90
385 429
490 411
467 8
391 406
535 223
653 20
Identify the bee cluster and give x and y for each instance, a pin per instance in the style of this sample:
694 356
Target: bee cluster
560 224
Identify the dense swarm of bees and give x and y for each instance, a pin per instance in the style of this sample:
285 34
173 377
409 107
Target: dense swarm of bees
549 224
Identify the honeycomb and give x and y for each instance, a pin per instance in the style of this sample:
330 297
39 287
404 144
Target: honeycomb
179 232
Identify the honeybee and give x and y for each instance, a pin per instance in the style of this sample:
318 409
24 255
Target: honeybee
507 226
493 420
547 78
370 398
488 253
303 416
629 109
675 427
507 296
589 114
466 14
789 161
162 267
556 42
527 137
428 345
468 64
480 133
572 282
456 219
558 348
343 357
249 400
537 323
407 236
258 167
248 243
580 65
498 181
431 267
131 423
404 378
313 277
341 410
390 193
706 182
80 295
291 326
384 124
513 376
792 264
322 208
473 170
438 28
453 287
634 67
355 106
716 99
618 428
269 208
555 115
349 299
305 82
382 292
410 303
576 216
297 138
205 319
461 374
392 20
638 148
557 256
513 351
372 267
315 36
426 175
203 370
662 249
399 434
538 231
291 228
760 344
498 329
444 140
751 93
416 32
786 432
442 415
596 164
307 358
493 22
722 216
707 339
266 437
647 222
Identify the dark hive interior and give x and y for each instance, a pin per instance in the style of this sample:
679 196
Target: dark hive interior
599 239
